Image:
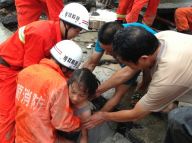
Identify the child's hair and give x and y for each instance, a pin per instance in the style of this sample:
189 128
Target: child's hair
86 79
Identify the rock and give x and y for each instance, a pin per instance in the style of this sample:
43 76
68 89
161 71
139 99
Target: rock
101 132
10 21
117 138
4 33
6 3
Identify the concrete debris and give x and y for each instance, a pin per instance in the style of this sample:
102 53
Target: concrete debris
168 4
105 15
4 33
6 3
153 127
117 138
100 16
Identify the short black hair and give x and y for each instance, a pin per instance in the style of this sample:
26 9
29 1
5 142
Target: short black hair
107 32
133 42
85 78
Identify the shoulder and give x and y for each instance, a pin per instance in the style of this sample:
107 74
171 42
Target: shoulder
84 112
42 27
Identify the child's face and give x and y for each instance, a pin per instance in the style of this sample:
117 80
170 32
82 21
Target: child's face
77 94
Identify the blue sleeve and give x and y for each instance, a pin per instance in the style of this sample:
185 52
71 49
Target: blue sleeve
98 47
140 25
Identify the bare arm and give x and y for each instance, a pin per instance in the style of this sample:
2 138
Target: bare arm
119 93
84 136
121 116
116 79
84 133
126 115
93 60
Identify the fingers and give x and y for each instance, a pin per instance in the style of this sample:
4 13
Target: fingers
88 124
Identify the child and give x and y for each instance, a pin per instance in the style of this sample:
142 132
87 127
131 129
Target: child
82 87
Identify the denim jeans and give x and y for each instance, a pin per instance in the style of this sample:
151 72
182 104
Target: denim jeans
179 126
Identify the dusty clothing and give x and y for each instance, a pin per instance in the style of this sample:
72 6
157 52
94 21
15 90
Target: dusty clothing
183 18
149 16
172 76
30 10
83 113
42 104
18 54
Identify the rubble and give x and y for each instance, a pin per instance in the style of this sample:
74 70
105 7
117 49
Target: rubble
4 33
149 130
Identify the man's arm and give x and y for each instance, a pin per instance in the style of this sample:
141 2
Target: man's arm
119 77
93 60
121 116
119 93
126 115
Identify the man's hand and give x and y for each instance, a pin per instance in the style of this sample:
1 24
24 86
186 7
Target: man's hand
94 120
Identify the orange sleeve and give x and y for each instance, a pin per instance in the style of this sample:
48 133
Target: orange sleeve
62 115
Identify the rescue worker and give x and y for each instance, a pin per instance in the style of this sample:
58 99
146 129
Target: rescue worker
82 88
27 46
170 64
133 12
183 20
122 79
30 10
42 100
124 7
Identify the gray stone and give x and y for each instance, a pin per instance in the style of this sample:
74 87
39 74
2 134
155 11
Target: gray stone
4 33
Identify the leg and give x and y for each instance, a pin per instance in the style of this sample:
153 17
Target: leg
179 126
151 11
183 18
123 7
27 11
133 15
53 8
7 104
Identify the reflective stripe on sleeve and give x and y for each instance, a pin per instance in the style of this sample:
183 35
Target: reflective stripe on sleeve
21 34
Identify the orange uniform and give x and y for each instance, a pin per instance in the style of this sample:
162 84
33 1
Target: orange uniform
183 18
130 9
30 10
149 15
42 104
124 8
26 46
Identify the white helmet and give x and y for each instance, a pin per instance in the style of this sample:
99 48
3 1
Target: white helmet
76 14
67 53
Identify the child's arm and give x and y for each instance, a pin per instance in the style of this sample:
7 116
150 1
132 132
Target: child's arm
84 133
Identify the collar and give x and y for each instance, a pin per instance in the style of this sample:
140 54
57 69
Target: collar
51 63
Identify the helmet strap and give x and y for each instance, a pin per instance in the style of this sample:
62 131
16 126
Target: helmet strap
66 29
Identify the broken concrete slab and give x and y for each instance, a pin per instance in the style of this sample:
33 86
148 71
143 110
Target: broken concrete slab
117 138
4 33
168 4
6 3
